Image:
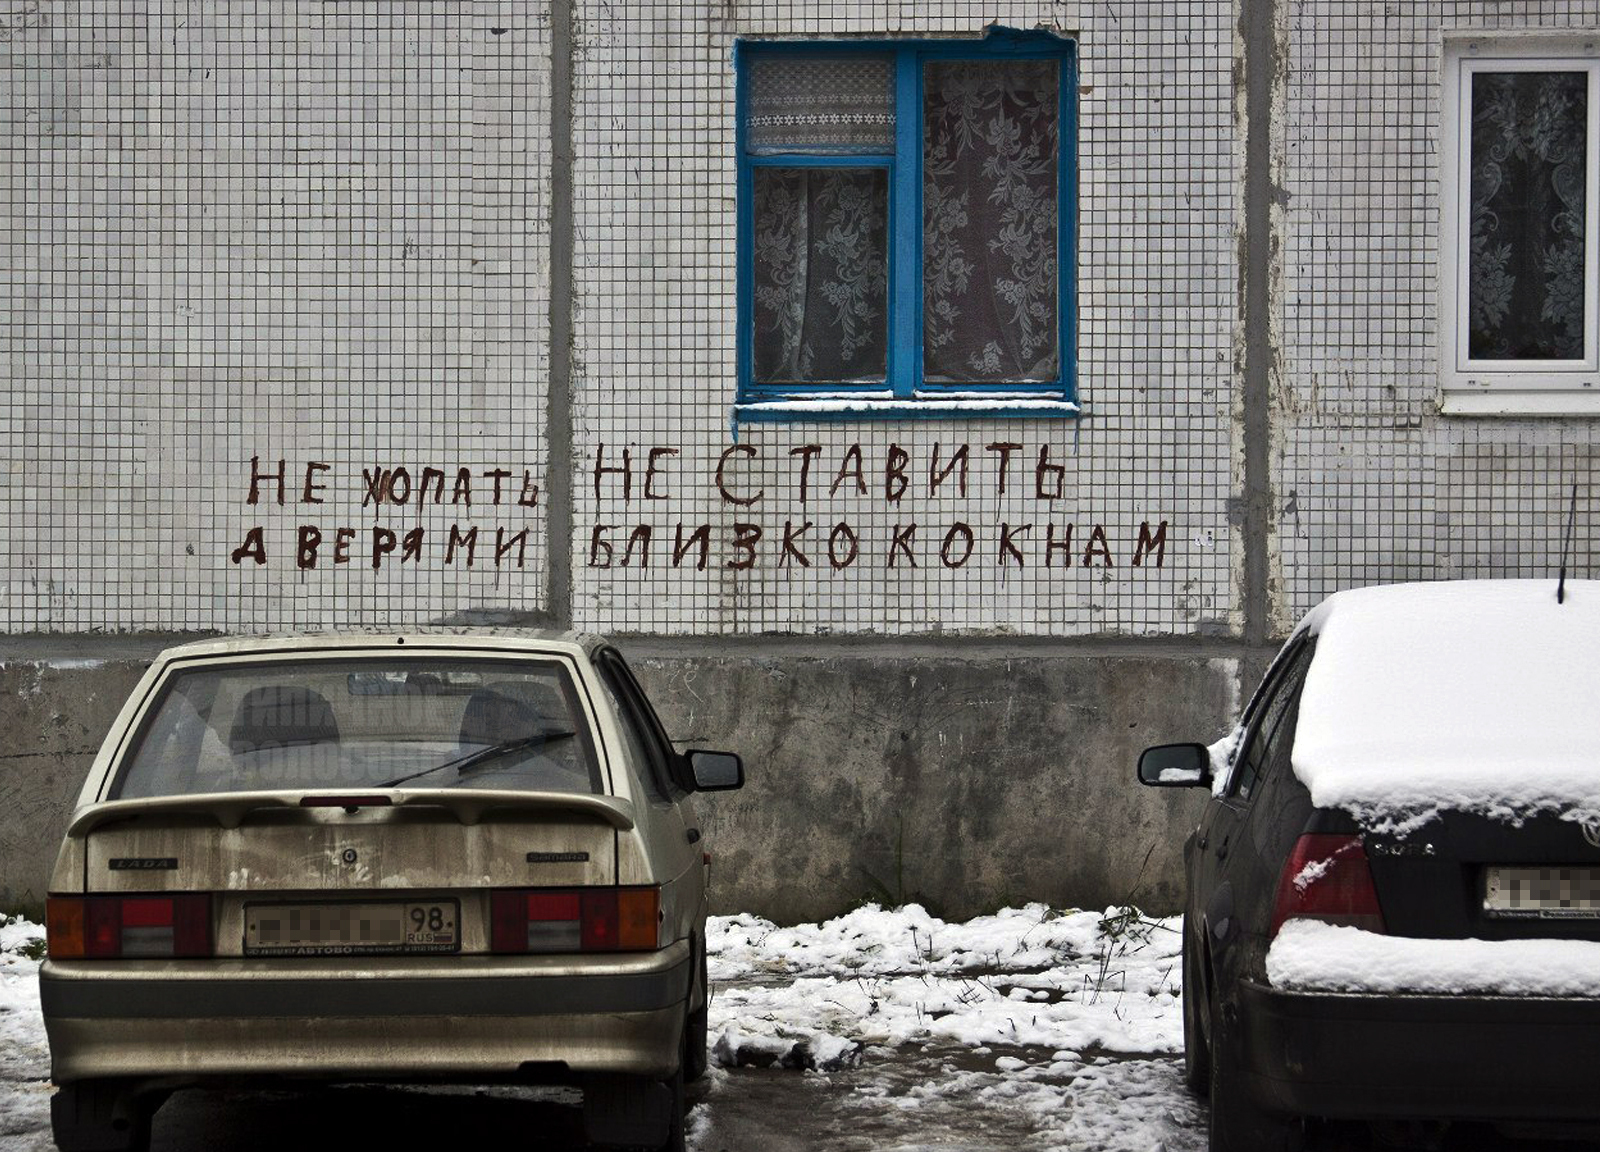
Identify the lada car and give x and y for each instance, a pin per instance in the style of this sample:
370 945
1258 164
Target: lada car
386 858
1393 909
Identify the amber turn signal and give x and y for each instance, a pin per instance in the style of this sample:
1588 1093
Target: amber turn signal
63 927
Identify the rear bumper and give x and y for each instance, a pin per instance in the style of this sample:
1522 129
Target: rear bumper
410 1018
1421 1057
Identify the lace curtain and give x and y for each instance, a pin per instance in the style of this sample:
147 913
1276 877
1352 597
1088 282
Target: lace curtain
822 274
990 275
821 234
1526 263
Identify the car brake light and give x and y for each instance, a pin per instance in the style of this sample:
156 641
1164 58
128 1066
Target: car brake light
113 927
575 920
1327 878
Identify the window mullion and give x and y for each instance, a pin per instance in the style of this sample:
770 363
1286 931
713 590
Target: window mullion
1591 221
905 226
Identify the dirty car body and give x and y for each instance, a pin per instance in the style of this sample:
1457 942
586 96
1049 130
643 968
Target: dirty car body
404 857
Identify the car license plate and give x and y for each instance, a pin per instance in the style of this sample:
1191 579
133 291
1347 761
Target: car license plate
1542 893
386 926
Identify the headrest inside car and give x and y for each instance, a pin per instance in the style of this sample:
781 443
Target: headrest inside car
510 710
281 716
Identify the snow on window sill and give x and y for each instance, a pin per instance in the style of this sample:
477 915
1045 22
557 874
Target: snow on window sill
924 405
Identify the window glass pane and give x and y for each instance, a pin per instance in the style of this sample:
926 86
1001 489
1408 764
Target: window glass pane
1529 164
1263 742
829 103
990 221
364 723
821 274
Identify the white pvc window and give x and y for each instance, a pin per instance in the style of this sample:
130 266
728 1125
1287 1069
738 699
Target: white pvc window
1519 260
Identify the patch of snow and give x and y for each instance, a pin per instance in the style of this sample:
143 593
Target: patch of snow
1313 871
24 1054
1465 695
1222 759
908 1025
1310 956
1131 1106
894 977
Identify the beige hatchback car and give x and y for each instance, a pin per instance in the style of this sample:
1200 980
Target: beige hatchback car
383 857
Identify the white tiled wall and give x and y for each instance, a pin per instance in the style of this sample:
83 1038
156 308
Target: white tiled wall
1371 483
296 231
320 234
655 333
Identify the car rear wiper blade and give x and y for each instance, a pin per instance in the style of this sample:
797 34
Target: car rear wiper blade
465 764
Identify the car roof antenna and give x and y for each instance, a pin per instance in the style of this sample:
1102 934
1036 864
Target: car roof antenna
1566 543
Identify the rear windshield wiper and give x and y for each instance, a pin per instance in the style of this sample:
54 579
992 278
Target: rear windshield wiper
465 764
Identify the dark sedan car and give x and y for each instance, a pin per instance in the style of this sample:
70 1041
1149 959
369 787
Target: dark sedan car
1393 910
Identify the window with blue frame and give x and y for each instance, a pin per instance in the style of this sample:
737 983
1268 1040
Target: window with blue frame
906 227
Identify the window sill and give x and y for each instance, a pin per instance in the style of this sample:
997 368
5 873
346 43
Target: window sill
1508 402
924 406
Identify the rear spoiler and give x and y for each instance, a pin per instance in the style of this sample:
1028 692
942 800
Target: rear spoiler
469 806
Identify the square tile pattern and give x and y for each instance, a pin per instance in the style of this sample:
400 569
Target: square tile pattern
320 234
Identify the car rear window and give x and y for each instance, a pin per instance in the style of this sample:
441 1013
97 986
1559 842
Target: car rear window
362 723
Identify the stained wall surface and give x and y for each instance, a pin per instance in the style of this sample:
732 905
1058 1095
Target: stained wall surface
245 241
655 291
1370 482
311 242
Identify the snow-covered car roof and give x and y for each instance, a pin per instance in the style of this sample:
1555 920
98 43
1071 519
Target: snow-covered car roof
1481 696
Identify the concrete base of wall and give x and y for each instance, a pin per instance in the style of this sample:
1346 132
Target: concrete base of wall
54 714
961 781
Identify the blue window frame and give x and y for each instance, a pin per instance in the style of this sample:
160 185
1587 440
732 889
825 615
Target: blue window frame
906 237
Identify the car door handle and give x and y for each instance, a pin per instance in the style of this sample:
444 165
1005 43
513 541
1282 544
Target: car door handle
1222 849
1201 843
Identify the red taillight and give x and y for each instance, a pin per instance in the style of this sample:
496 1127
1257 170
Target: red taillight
600 920
1328 878
115 927
574 920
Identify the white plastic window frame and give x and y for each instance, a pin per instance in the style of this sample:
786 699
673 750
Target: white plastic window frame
1511 387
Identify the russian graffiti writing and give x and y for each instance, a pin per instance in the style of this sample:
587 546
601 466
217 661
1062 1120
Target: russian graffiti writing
381 487
780 504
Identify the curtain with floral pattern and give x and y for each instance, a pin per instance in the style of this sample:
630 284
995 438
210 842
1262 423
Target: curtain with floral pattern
1526 261
990 221
821 274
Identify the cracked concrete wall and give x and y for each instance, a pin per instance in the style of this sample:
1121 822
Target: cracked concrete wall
54 716
961 781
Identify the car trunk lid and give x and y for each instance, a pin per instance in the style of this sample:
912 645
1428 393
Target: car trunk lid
1468 875
421 849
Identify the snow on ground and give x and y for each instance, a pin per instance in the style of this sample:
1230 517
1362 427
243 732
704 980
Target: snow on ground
1032 1017
816 994
1030 1029
24 1057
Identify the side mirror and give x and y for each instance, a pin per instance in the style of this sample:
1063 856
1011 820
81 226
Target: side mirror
1175 766
715 771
